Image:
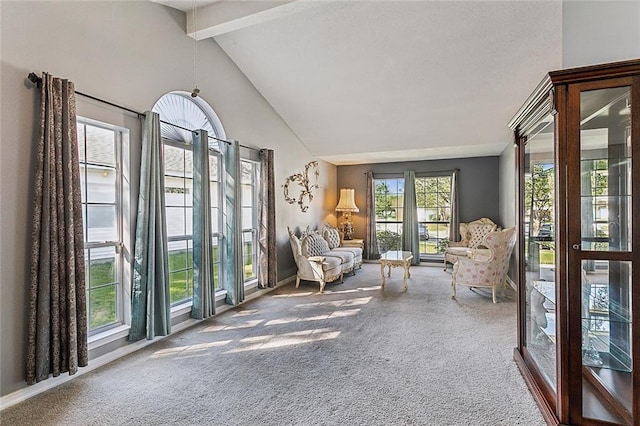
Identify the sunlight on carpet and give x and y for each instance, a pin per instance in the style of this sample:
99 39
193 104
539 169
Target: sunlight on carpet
287 339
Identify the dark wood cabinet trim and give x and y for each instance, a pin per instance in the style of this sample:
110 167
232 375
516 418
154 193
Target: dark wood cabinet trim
562 327
571 141
546 410
596 72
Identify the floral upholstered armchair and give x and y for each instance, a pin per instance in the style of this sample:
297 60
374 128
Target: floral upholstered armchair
488 264
471 235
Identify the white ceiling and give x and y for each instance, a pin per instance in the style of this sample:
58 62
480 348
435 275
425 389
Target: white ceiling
379 81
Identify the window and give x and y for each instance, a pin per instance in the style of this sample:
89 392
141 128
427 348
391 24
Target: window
434 213
100 156
249 181
433 199
389 199
216 194
180 113
178 187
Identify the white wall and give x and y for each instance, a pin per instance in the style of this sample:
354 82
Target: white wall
595 32
507 187
130 53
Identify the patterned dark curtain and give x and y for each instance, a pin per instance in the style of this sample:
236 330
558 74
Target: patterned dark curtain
371 242
267 253
57 315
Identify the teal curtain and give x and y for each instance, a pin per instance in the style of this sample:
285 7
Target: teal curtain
410 238
267 250
203 285
454 222
56 316
150 303
371 243
233 277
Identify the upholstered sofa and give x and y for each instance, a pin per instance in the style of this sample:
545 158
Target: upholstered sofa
319 256
471 235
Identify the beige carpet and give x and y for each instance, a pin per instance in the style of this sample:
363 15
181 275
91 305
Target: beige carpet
355 355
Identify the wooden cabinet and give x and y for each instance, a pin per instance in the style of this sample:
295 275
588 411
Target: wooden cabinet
578 164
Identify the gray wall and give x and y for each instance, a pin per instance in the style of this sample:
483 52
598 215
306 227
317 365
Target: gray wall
130 53
478 185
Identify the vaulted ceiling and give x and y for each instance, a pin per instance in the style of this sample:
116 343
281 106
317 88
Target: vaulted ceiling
379 81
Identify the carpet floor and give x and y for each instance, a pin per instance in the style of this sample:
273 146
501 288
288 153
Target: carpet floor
355 355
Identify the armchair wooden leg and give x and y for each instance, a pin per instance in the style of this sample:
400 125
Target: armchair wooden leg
445 265
453 289
342 277
493 291
322 284
297 281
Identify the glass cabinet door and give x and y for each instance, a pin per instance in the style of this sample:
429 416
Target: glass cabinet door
540 249
602 256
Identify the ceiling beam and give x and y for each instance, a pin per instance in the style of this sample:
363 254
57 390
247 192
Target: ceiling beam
226 16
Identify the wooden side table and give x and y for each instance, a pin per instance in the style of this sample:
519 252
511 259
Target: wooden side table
355 242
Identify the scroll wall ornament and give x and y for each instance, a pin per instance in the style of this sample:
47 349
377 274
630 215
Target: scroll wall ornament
303 180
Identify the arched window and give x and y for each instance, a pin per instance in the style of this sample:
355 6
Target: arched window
180 113
185 112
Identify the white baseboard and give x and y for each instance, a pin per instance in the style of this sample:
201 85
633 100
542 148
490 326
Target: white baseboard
30 391
50 383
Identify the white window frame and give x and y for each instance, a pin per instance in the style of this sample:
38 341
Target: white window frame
395 223
434 256
219 234
123 287
253 280
187 238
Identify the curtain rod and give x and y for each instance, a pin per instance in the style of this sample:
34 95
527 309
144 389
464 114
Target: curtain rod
33 77
420 172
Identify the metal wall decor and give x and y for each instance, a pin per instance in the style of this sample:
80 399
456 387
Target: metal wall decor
303 180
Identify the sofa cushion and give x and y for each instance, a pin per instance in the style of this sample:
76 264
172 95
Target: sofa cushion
307 231
356 251
459 251
331 263
345 256
314 245
332 236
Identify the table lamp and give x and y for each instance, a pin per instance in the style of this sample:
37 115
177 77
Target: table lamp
347 205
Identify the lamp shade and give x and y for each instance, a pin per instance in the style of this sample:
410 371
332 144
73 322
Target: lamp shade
347 201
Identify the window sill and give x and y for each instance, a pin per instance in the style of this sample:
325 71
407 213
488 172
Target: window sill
108 336
181 309
221 295
251 284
